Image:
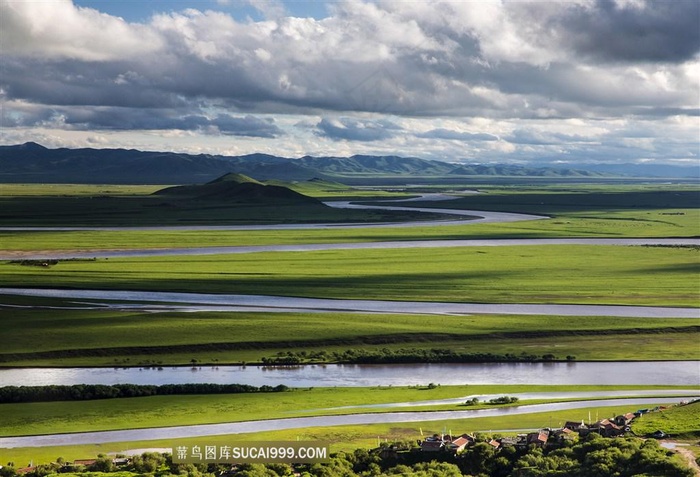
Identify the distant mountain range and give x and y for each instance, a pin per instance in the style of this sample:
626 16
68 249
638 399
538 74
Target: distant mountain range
31 162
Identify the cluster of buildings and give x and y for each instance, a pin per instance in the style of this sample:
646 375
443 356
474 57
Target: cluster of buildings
605 427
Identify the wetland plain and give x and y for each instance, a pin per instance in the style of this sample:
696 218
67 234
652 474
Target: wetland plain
105 331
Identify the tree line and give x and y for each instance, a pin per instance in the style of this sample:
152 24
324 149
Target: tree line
84 392
593 456
402 355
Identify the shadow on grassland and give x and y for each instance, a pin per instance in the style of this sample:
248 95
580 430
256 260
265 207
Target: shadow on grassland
258 283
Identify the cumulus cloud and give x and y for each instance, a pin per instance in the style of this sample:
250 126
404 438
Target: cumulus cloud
450 58
441 133
539 137
205 71
59 29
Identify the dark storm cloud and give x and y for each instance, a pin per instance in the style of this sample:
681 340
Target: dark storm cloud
665 112
658 31
246 126
78 83
356 130
153 119
128 119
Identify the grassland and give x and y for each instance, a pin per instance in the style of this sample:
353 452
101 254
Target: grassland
533 274
90 205
537 274
584 211
519 274
164 411
678 421
119 338
616 224
340 438
145 211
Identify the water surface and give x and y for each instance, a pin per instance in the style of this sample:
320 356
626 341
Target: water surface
604 373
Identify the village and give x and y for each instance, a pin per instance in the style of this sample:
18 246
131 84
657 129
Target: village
436 447
617 426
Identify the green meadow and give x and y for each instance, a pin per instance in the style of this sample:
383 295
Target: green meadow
568 274
679 422
663 276
621 275
588 210
163 411
114 205
616 224
77 337
118 211
339 438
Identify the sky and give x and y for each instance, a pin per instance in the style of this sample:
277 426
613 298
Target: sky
475 81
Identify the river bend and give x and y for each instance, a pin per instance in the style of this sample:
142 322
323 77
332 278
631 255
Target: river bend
193 302
178 432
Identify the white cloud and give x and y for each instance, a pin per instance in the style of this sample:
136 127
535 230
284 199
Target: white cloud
460 71
58 29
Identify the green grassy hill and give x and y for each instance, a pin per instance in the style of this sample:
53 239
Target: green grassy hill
238 188
677 421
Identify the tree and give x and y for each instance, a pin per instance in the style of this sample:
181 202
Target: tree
477 459
8 471
147 463
102 464
255 470
281 470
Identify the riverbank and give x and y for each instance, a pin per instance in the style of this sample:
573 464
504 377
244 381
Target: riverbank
295 423
160 411
340 438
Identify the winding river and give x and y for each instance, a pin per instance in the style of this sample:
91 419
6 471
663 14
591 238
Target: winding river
200 302
184 251
650 373
464 217
472 216
305 422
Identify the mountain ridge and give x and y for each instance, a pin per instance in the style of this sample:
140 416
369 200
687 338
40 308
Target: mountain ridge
32 162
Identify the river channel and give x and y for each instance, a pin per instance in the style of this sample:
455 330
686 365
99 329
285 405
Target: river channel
684 373
462 217
612 373
662 372
202 431
315 247
203 302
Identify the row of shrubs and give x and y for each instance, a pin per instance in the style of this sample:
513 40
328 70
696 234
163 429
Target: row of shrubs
403 355
499 400
83 392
